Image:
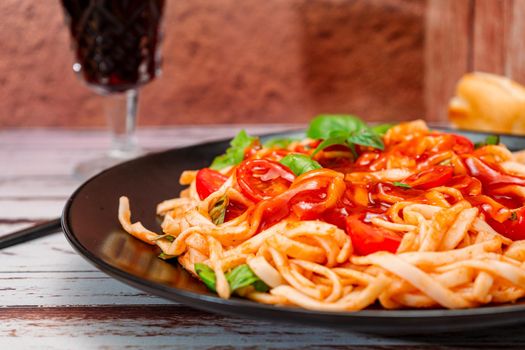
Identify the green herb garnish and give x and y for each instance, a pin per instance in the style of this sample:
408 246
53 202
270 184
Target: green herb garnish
218 212
345 130
239 277
381 129
401 184
164 256
243 276
299 163
235 153
279 142
207 275
489 140
514 216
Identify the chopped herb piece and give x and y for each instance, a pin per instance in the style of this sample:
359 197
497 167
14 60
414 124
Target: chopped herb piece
207 275
381 129
347 130
218 212
235 153
299 163
401 184
164 256
280 142
489 140
492 140
513 216
243 276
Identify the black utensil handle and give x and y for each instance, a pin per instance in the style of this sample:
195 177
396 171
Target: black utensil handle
33 232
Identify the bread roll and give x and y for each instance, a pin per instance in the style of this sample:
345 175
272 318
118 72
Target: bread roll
488 102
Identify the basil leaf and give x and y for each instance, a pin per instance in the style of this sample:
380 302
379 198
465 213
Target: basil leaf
164 256
218 212
492 140
299 163
489 140
367 138
322 125
381 129
242 276
166 236
338 140
235 153
401 184
260 286
207 275
345 130
279 142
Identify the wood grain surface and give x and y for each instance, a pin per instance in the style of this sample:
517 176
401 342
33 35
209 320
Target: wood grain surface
50 298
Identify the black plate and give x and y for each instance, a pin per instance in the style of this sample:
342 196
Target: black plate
91 226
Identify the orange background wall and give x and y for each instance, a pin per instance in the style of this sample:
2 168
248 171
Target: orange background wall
229 61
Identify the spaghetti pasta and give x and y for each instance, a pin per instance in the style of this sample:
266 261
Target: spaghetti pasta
414 218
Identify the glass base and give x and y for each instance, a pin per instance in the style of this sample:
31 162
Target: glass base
89 168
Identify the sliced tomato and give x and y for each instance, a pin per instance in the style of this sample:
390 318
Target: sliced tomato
251 150
208 181
433 177
462 144
368 239
305 205
234 210
459 144
468 185
336 216
489 176
513 227
261 179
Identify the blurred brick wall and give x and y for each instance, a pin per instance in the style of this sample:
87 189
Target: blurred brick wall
229 61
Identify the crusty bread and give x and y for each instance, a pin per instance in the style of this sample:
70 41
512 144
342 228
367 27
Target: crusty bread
488 102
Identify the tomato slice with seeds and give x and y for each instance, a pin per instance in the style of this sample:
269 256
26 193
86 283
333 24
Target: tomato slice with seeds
433 177
208 181
462 144
513 227
261 179
368 239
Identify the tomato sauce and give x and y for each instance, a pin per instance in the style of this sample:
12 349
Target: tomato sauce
433 159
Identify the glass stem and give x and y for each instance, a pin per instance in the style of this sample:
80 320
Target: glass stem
121 111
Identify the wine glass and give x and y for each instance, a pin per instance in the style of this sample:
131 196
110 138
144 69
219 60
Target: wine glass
117 50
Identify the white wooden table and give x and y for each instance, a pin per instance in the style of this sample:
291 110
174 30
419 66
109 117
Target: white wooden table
51 298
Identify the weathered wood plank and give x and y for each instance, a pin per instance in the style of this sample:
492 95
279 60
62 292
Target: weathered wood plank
48 272
59 288
46 254
516 48
183 327
35 209
37 187
447 52
53 139
59 151
157 327
489 44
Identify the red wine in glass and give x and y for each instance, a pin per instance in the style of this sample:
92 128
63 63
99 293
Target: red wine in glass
117 50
